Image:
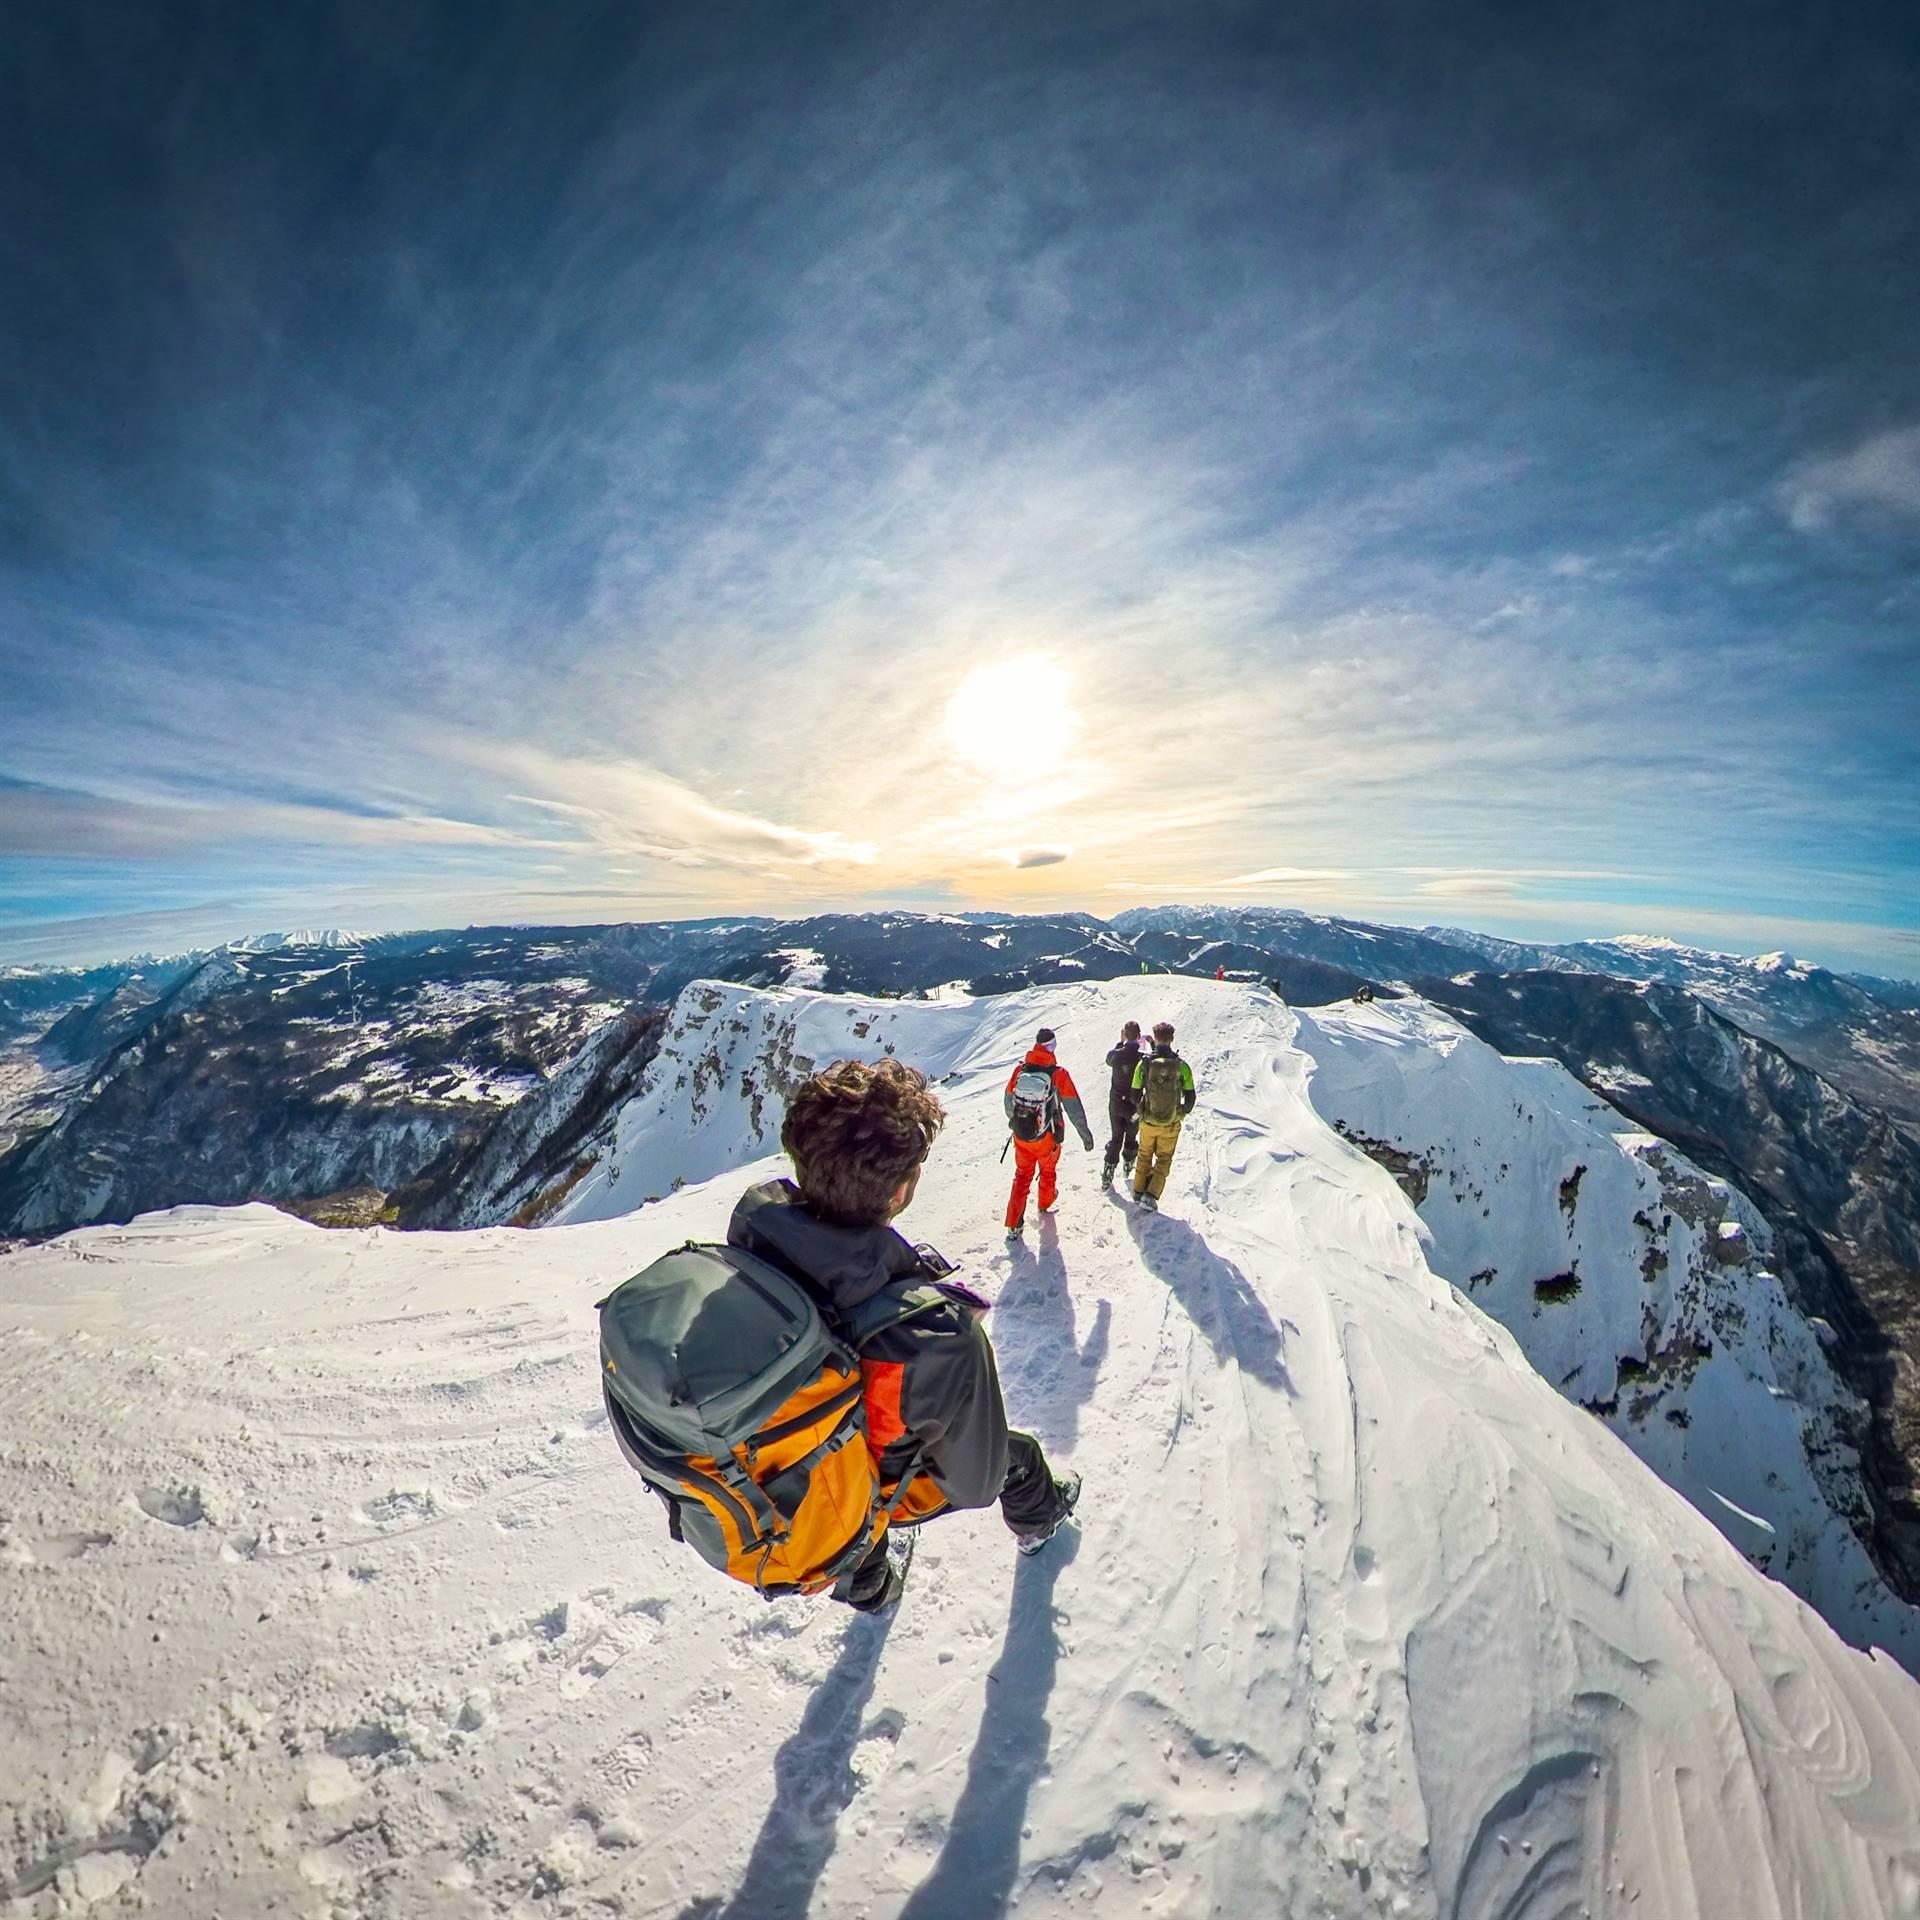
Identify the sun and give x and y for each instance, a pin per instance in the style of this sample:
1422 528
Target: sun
1012 720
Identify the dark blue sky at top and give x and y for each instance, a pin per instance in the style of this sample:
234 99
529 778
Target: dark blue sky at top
387 393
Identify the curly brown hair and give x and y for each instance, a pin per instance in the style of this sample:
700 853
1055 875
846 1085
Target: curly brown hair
856 1132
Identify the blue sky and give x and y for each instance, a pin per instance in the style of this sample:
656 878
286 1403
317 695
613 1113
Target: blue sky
1434 463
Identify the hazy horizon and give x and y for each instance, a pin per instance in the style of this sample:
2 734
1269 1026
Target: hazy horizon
82 956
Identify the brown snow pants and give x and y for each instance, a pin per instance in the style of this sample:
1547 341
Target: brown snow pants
1157 1143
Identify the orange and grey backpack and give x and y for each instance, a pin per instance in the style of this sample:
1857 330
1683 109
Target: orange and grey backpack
741 1403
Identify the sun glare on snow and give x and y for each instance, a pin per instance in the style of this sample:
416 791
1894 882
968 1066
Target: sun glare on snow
1011 720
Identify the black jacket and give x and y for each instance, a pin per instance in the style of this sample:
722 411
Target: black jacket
1121 1062
931 1383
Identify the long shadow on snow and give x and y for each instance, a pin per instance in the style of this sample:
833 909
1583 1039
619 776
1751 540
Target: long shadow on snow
973 1878
1217 1297
813 1782
1033 1332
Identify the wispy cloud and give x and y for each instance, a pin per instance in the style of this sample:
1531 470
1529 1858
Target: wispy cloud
624 810
1477 883
1883 472
38 820
1285 879
1474 886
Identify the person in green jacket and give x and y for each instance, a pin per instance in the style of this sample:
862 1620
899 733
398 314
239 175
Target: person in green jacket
1163 1091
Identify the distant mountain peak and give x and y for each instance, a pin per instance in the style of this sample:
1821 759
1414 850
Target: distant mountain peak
302 937
1663 943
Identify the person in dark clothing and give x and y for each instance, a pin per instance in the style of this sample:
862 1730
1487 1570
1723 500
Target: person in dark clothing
1122 1108
1163 1083
858 1134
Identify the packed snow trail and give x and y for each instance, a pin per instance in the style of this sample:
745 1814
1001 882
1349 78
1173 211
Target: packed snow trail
323 1586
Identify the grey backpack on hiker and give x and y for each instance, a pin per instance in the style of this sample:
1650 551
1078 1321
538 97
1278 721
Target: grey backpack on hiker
1034 1103
742 1406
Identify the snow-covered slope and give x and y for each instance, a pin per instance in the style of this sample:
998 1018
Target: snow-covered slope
1633 1282
716 1092
325 1591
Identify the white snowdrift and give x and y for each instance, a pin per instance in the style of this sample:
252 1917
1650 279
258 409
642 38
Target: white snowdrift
323 1589
1633 1282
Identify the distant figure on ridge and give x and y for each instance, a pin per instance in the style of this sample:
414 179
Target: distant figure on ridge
1163 1083
788 1459
1040 1099
1122 1110
1220 972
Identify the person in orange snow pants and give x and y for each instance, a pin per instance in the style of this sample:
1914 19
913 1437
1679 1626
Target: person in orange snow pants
1040 1099
1029 1157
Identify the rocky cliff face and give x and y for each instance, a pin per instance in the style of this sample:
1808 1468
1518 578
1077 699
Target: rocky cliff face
523 1168
1861 1033
298 1072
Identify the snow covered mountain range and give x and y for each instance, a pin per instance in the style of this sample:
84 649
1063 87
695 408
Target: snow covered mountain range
1861 1032
436 1036
286 1068
460 1080
1435 1437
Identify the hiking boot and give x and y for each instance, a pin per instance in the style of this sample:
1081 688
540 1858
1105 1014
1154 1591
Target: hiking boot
1052 1206
1147 1202
1067 1487
1017 1231
886 1596
1106 1176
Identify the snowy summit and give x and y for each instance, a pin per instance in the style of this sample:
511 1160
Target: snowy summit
326 1591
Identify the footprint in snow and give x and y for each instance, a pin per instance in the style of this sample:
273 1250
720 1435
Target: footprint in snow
627 1762
184 1506
532 1640
594 1662
389 1508
54 1546
874 1752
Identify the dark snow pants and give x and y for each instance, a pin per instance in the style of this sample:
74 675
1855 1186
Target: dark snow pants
1028 1502
1125 1140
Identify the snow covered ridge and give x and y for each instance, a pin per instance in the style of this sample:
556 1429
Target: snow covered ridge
1636 1285
715 1094
325 1591
1633 1282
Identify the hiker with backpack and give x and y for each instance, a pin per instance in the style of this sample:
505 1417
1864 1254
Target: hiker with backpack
1040 1099
800 1395
1164 1084
1122 1111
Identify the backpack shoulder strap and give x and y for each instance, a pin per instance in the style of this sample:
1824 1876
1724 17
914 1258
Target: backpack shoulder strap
908 1298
